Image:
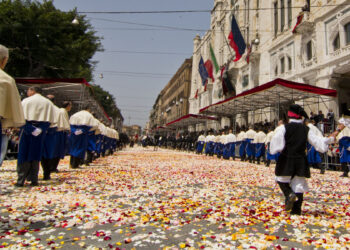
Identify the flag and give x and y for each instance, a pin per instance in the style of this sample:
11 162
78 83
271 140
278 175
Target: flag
196 95
213 58
209 66
203 71
236 40
299 20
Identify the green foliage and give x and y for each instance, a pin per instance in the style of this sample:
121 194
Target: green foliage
43 41
106 100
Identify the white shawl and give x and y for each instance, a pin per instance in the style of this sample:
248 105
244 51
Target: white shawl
11 109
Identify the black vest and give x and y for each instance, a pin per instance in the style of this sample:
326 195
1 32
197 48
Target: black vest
293 160
296 140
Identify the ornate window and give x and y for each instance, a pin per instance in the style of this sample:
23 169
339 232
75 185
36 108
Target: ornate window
336 42
245 81
347 33
290 66
282 65
276 70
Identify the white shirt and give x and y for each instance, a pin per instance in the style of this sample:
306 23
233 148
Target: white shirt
259 137
230 138
201 138
278 141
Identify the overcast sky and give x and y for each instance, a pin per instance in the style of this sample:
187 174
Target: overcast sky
134 76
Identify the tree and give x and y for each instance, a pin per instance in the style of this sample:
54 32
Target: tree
43 41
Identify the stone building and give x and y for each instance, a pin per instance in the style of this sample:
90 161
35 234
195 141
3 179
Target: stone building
172 102
318 53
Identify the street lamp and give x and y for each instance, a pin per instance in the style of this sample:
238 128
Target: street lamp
75 21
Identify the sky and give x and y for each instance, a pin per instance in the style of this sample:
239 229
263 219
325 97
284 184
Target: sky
139 59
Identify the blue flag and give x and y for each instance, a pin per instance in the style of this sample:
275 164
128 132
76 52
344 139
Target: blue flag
236 40
203 71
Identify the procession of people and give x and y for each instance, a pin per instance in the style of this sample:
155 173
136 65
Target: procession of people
47 134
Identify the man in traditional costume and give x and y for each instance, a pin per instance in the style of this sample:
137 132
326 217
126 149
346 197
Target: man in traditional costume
343 140
242 144
259 143
39 113
209 144
11 111
81 123
250 147
200 143
292 167
229 146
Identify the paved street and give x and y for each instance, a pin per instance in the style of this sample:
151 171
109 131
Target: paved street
145 199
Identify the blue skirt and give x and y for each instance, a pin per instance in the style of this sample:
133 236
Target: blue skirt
30 146
79 143
200 146
344 143
259 149
313 157
250 148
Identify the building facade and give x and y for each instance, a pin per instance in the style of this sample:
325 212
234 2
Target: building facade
318 53
172 102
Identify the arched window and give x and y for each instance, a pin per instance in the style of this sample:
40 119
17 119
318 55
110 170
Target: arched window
282 65
347 33
336 42
276 70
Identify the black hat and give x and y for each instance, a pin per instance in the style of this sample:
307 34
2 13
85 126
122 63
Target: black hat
346 112
296 111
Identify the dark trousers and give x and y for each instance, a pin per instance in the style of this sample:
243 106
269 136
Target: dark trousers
29 170
55 162
75 162
258 159
89 157
46 165
49 166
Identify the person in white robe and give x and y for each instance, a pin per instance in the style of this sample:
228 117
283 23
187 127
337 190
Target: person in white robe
250 147
259 143
81 123
39 113
11 111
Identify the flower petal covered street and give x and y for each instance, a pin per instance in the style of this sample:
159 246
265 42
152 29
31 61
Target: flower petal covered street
144 199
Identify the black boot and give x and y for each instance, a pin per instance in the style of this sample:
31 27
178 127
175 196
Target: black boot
296 210
288 194
268 163
323 169
345 169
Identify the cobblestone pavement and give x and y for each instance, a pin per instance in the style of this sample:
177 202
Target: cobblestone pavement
144 199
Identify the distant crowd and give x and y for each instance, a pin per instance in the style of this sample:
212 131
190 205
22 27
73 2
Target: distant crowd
252 143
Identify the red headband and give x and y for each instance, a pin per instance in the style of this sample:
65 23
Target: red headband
293 115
